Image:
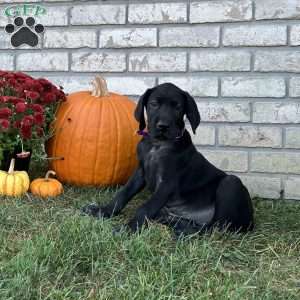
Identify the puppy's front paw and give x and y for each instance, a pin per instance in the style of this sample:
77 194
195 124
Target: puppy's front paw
90 209
95 210
135 225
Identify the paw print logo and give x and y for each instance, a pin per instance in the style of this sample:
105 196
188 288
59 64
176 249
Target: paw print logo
24 34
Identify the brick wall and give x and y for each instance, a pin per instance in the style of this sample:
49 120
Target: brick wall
239 58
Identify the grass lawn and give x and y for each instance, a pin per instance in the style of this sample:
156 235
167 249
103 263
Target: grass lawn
49 251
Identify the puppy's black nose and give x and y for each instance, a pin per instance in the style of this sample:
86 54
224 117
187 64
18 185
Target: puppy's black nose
162 126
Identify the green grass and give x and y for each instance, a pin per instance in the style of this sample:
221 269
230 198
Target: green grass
49 251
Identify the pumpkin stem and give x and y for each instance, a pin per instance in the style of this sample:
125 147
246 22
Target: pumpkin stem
50 172
99 87
11 166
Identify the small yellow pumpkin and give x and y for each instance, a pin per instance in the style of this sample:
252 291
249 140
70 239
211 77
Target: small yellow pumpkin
13 183
46 187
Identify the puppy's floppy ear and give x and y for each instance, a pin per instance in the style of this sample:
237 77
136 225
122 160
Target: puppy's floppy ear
192 112
139 111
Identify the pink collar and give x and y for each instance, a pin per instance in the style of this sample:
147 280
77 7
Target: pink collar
142 133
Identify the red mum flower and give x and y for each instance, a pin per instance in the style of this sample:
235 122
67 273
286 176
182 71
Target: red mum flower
4 99
47 85
28 120
3 73
20 107
4 124
60 95
37 108
20 91
49 97
21 81
5 112
20 75
38 118
37 87
32 95
26 132
28 84
12 82
15 100
9 75
26 127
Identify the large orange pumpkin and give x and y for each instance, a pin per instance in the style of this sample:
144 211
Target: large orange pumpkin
94 140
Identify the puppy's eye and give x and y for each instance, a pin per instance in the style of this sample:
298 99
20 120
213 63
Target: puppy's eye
178 107
153 105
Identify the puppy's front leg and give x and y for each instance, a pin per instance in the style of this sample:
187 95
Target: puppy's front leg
134 185
150 209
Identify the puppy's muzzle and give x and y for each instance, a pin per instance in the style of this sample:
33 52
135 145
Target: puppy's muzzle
162 127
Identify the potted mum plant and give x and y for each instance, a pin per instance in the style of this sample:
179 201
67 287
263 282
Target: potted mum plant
27 108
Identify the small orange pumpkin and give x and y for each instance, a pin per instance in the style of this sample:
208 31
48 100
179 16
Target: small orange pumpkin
46 187
94 135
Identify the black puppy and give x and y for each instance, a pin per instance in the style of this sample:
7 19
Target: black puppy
188 192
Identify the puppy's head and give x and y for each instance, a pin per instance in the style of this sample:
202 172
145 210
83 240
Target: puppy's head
166 105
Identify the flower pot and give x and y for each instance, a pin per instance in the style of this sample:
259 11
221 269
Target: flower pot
21 163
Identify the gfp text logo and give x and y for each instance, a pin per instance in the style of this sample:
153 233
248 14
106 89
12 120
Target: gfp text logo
25 10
